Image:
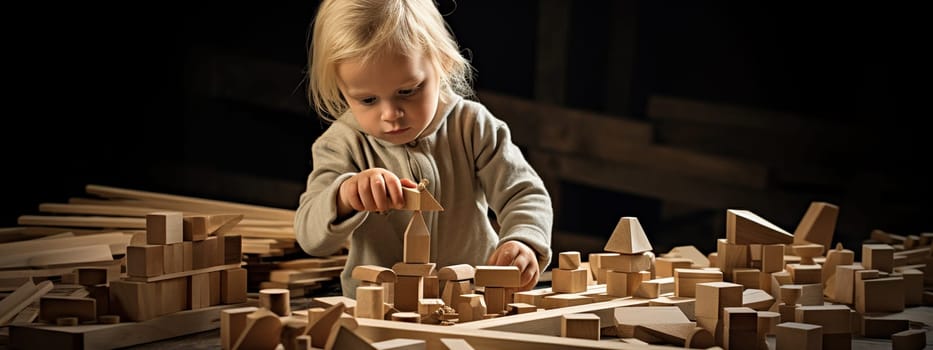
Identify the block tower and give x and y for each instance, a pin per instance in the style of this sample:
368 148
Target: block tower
631 262
416 265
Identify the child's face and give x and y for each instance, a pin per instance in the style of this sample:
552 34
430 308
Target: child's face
393 96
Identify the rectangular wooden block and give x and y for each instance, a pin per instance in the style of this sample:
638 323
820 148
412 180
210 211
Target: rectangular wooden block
878 257
883 328
173 295
844 283
187 256
805 274
584 326
53 307
833 318
772 257
909 339
880 295
199 291
497 276
408 290
747 277
232 324
215 285
431 287
712 297
685 280
135 301
626 262
617 284
91 276
568 281
495 299
195 227
144 260
233 249
203 253
799 336
664 267
164 227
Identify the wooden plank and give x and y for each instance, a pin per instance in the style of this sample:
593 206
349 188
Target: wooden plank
116 240
108 336
21 298
547 322
379 330
115 192
183 273
50 257
83 221
130 211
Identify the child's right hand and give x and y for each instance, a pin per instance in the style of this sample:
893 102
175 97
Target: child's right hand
375 189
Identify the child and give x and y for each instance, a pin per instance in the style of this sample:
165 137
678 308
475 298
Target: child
390 78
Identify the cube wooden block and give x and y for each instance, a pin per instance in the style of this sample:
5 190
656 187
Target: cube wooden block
164 227
712 297
772 257
173 295
408 290
144 260
880 295
135 301
584 326
233 286
799 336
878 257
568 281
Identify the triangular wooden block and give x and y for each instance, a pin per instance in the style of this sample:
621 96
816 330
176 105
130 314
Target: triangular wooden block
817 225
744 227
327 323
262 331
198 227
345 338
628 237
417 245
423 200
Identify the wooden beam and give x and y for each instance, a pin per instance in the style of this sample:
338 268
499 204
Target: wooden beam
115 192
379 330
109 336
547 322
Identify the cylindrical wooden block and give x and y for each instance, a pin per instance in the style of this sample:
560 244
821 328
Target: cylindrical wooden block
412 317
314 314
369 302
275 300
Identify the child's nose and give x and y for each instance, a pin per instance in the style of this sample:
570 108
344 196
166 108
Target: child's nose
392 112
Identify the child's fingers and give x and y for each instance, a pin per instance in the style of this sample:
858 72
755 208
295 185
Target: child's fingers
408 183
377 183
364 187
394 188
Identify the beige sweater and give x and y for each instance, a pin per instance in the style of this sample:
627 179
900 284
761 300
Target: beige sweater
467 156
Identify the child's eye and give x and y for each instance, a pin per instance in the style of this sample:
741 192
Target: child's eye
409 92
368 101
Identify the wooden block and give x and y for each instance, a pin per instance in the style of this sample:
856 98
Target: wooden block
173 295
470 307
199 291
205 253
453 289
634 281
276 300
878 257
135 301
521 308
321 329
883 328
215 286
740 328
584 326
233 249
144 261
833 318
413 269
617 284
91 276
744 227
767 323
495 298
664 267
199 227
817 225
569 260
373 273
685 280
836 257
651 289
686 305
628 237
431 287
233 286
807 252
417 241
412 317
163 227
100 293
909 339
731 256
428 306
772 257
408 290
747 277
497 276
171 263
565 300
799 336
712 297
457 272
54 307
626 262
261 331
533 297
420 199
187 258
805 274
626 318
757 299
568 281
880 295
913 287
595 260
690 252
845 283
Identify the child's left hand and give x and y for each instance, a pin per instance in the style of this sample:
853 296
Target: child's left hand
515 253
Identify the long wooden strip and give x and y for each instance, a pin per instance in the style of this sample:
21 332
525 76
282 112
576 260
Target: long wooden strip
82 221
49 257
548 322
379 330
116 240
21 298
183 273
114 192
109 336
116 210
55 271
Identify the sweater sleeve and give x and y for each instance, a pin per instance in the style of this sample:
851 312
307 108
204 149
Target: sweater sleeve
316 227
513 189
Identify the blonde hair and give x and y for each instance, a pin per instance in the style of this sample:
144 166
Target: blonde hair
363 29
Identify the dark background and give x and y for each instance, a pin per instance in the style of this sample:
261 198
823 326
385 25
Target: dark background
108 94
